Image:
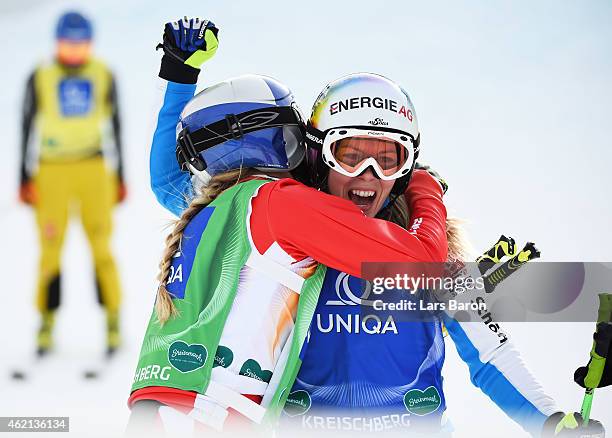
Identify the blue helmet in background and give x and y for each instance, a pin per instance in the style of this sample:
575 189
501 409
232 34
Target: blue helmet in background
247 121
73 26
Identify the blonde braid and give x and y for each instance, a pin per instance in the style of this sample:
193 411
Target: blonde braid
164 306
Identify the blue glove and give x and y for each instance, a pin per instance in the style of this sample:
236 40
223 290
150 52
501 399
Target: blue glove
187 44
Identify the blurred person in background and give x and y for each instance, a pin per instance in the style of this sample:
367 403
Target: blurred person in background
69 103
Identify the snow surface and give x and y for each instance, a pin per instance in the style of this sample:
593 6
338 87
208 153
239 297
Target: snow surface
513 103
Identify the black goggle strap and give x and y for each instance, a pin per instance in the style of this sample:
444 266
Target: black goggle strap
314 136
232 127
235 126
186 153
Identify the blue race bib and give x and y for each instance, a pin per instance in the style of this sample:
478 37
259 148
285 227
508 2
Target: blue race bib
75 97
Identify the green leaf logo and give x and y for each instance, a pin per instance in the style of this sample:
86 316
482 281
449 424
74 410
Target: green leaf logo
251 368
185 357
224 357
298 403
421 403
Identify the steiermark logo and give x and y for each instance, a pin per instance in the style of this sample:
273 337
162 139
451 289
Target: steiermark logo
422 403
298 403
187 357
251 368
224 357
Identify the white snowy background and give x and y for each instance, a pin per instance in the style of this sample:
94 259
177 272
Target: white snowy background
513 100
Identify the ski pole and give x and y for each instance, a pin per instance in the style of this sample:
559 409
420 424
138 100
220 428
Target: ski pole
529 252
504 247
599 352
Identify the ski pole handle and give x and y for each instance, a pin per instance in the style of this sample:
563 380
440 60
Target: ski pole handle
529 252
504 247
585 409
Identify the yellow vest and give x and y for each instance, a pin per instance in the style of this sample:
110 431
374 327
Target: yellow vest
72 107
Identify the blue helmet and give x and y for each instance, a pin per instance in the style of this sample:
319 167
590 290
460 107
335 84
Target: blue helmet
248 121
73 26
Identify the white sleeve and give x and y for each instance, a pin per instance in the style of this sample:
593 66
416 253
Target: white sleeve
496 367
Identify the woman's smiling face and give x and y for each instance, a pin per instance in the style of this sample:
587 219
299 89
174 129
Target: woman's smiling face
366 190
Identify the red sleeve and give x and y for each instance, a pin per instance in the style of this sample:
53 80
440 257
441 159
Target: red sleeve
427 213
178 398
333 231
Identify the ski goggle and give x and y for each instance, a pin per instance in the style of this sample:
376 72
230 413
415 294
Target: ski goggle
267 138
70 52
350 151
274 149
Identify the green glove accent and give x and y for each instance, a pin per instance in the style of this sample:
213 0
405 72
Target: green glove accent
596 368
567 422
591 376
604 314
571 425
199 57
599 352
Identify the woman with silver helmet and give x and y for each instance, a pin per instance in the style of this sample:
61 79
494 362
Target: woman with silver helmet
370 372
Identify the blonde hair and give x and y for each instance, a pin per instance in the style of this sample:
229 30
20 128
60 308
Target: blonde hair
164 306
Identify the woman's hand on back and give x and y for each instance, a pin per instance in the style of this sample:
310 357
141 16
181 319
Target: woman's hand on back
436 175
